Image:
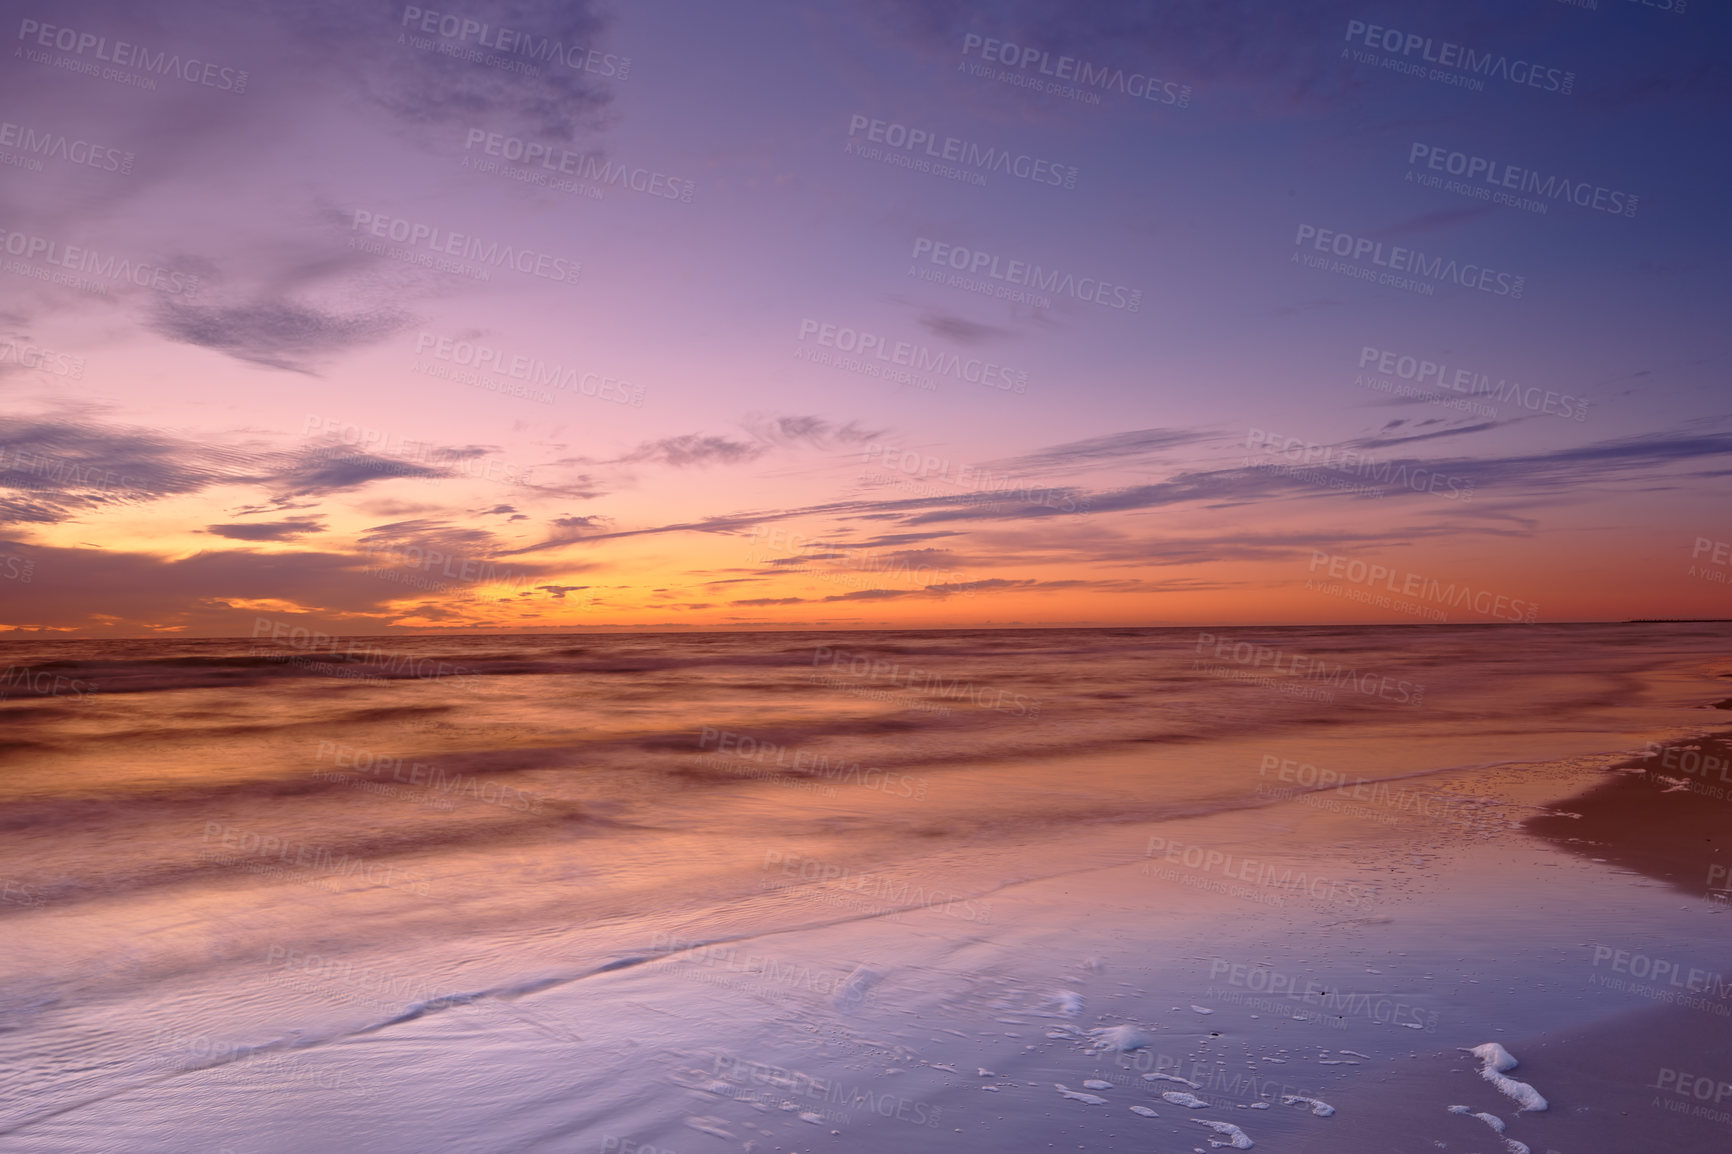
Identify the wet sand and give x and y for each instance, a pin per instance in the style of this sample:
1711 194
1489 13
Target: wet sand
1294 937
1346 966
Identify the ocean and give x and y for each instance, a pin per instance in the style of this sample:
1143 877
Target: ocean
623 892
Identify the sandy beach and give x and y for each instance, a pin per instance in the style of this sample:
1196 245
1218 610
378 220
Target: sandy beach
1084 936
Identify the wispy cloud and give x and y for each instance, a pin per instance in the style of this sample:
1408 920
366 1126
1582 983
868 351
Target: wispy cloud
961 330
691 450
767 433
268 530
53 469
1107 449
277 334
809 431
362 49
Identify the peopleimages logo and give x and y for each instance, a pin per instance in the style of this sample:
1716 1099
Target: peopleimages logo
891 891
444 242
1567 406
432 776
831 1092
59 146
917 357
1460 58
1275 986
1402 474
515 42
529 369
1138 84
78 258
29 356
1025 275
806 763
1257 658
949 148
1410 261
1417 585
127 55
581 165
41 683
862 665
1500 176
1261 873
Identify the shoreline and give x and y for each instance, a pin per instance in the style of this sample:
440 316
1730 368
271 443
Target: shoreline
1259 921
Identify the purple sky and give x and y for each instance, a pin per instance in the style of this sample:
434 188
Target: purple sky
673 315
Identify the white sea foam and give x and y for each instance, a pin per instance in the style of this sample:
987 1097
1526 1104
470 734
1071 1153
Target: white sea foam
716 1127
1320 1108
1144 1111
1230 1135
1491 1120
1493 1055
1120 1038
1091 1099
1068 1002
1172 1078
1180 1098
1495 1060
853 991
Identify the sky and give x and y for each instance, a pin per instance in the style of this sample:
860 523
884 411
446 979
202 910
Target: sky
378 318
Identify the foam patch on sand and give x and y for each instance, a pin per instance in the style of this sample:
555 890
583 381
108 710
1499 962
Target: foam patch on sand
1172 1078
1096 1084
1180 1098
858 984
713 1126
1091 1099
1119 1038
1495 1056
1494 1061
1320 1108
1496 1124
1230 1135
1491 1120
1144 1111
1067 1002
